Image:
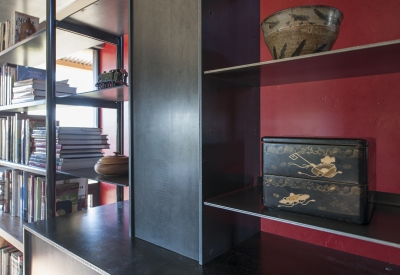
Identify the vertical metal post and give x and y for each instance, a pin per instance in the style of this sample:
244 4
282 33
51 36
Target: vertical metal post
50 105
120 113
131 129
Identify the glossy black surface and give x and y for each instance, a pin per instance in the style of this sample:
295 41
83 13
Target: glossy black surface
248 201
99 237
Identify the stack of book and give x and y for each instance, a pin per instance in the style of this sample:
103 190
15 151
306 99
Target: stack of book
75 147
35 89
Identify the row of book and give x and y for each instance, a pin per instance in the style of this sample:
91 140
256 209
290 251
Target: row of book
24 195
11 260
22 83
19 27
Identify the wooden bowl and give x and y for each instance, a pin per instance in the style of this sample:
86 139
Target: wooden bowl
301 30
112 165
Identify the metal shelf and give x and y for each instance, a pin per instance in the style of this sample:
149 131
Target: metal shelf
373 59
11 229
105 98
89 173
106 15
248 201
32 51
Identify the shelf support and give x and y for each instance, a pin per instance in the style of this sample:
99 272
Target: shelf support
50 106
130 119
120 112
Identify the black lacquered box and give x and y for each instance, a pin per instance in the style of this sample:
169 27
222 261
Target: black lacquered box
322 177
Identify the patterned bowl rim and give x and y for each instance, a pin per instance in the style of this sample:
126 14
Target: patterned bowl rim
303 6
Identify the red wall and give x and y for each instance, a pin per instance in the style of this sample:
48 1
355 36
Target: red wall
108 121
363 107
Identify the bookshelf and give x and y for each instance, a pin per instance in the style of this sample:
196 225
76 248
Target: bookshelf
197 146
70 34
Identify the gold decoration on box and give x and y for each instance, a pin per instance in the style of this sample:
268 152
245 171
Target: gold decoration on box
325 169
295 199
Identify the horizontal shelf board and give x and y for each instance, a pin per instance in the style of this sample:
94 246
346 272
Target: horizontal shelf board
11 229
32 7
89 173
249 201
31 169
107 15
32 51
86 235
105 98
373 59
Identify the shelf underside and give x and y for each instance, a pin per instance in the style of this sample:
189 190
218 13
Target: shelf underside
106 15
88 173
374 59
32 51
11 229
31 7
107 227
105 98
249 201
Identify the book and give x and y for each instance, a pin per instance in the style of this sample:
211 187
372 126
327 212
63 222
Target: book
74 146
42 86
42 155
26 72
66 198
40 150
8 75
38 198
6 203
15 193
42 134
5 259
27 99
35 93
2 33
30 195
35 81
22 26
31 123
73 141
71 130
16 260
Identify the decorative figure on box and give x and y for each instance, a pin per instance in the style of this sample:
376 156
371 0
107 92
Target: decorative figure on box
294 199
112 78
27 28
325 169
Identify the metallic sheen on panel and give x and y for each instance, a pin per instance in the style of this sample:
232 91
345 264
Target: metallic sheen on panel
50 106
166 123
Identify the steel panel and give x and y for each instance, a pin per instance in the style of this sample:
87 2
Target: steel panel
166 123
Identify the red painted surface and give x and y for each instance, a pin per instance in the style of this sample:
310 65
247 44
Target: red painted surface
108 121
363 107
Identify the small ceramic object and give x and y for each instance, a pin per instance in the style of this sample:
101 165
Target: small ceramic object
112 165
301 30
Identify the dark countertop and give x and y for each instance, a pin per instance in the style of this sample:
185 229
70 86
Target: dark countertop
89 234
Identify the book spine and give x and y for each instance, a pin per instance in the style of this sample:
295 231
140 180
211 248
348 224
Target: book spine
31 190
6 206
15 193
38 204
24 194
43 213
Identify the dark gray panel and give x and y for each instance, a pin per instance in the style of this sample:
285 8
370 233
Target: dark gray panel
166 122
230 121
48 260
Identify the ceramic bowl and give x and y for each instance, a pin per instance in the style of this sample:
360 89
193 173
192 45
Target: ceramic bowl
301 30
112 165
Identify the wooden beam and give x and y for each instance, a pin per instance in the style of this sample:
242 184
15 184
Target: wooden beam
73 64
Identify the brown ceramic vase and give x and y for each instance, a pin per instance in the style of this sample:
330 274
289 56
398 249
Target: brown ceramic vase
112 165
301 30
